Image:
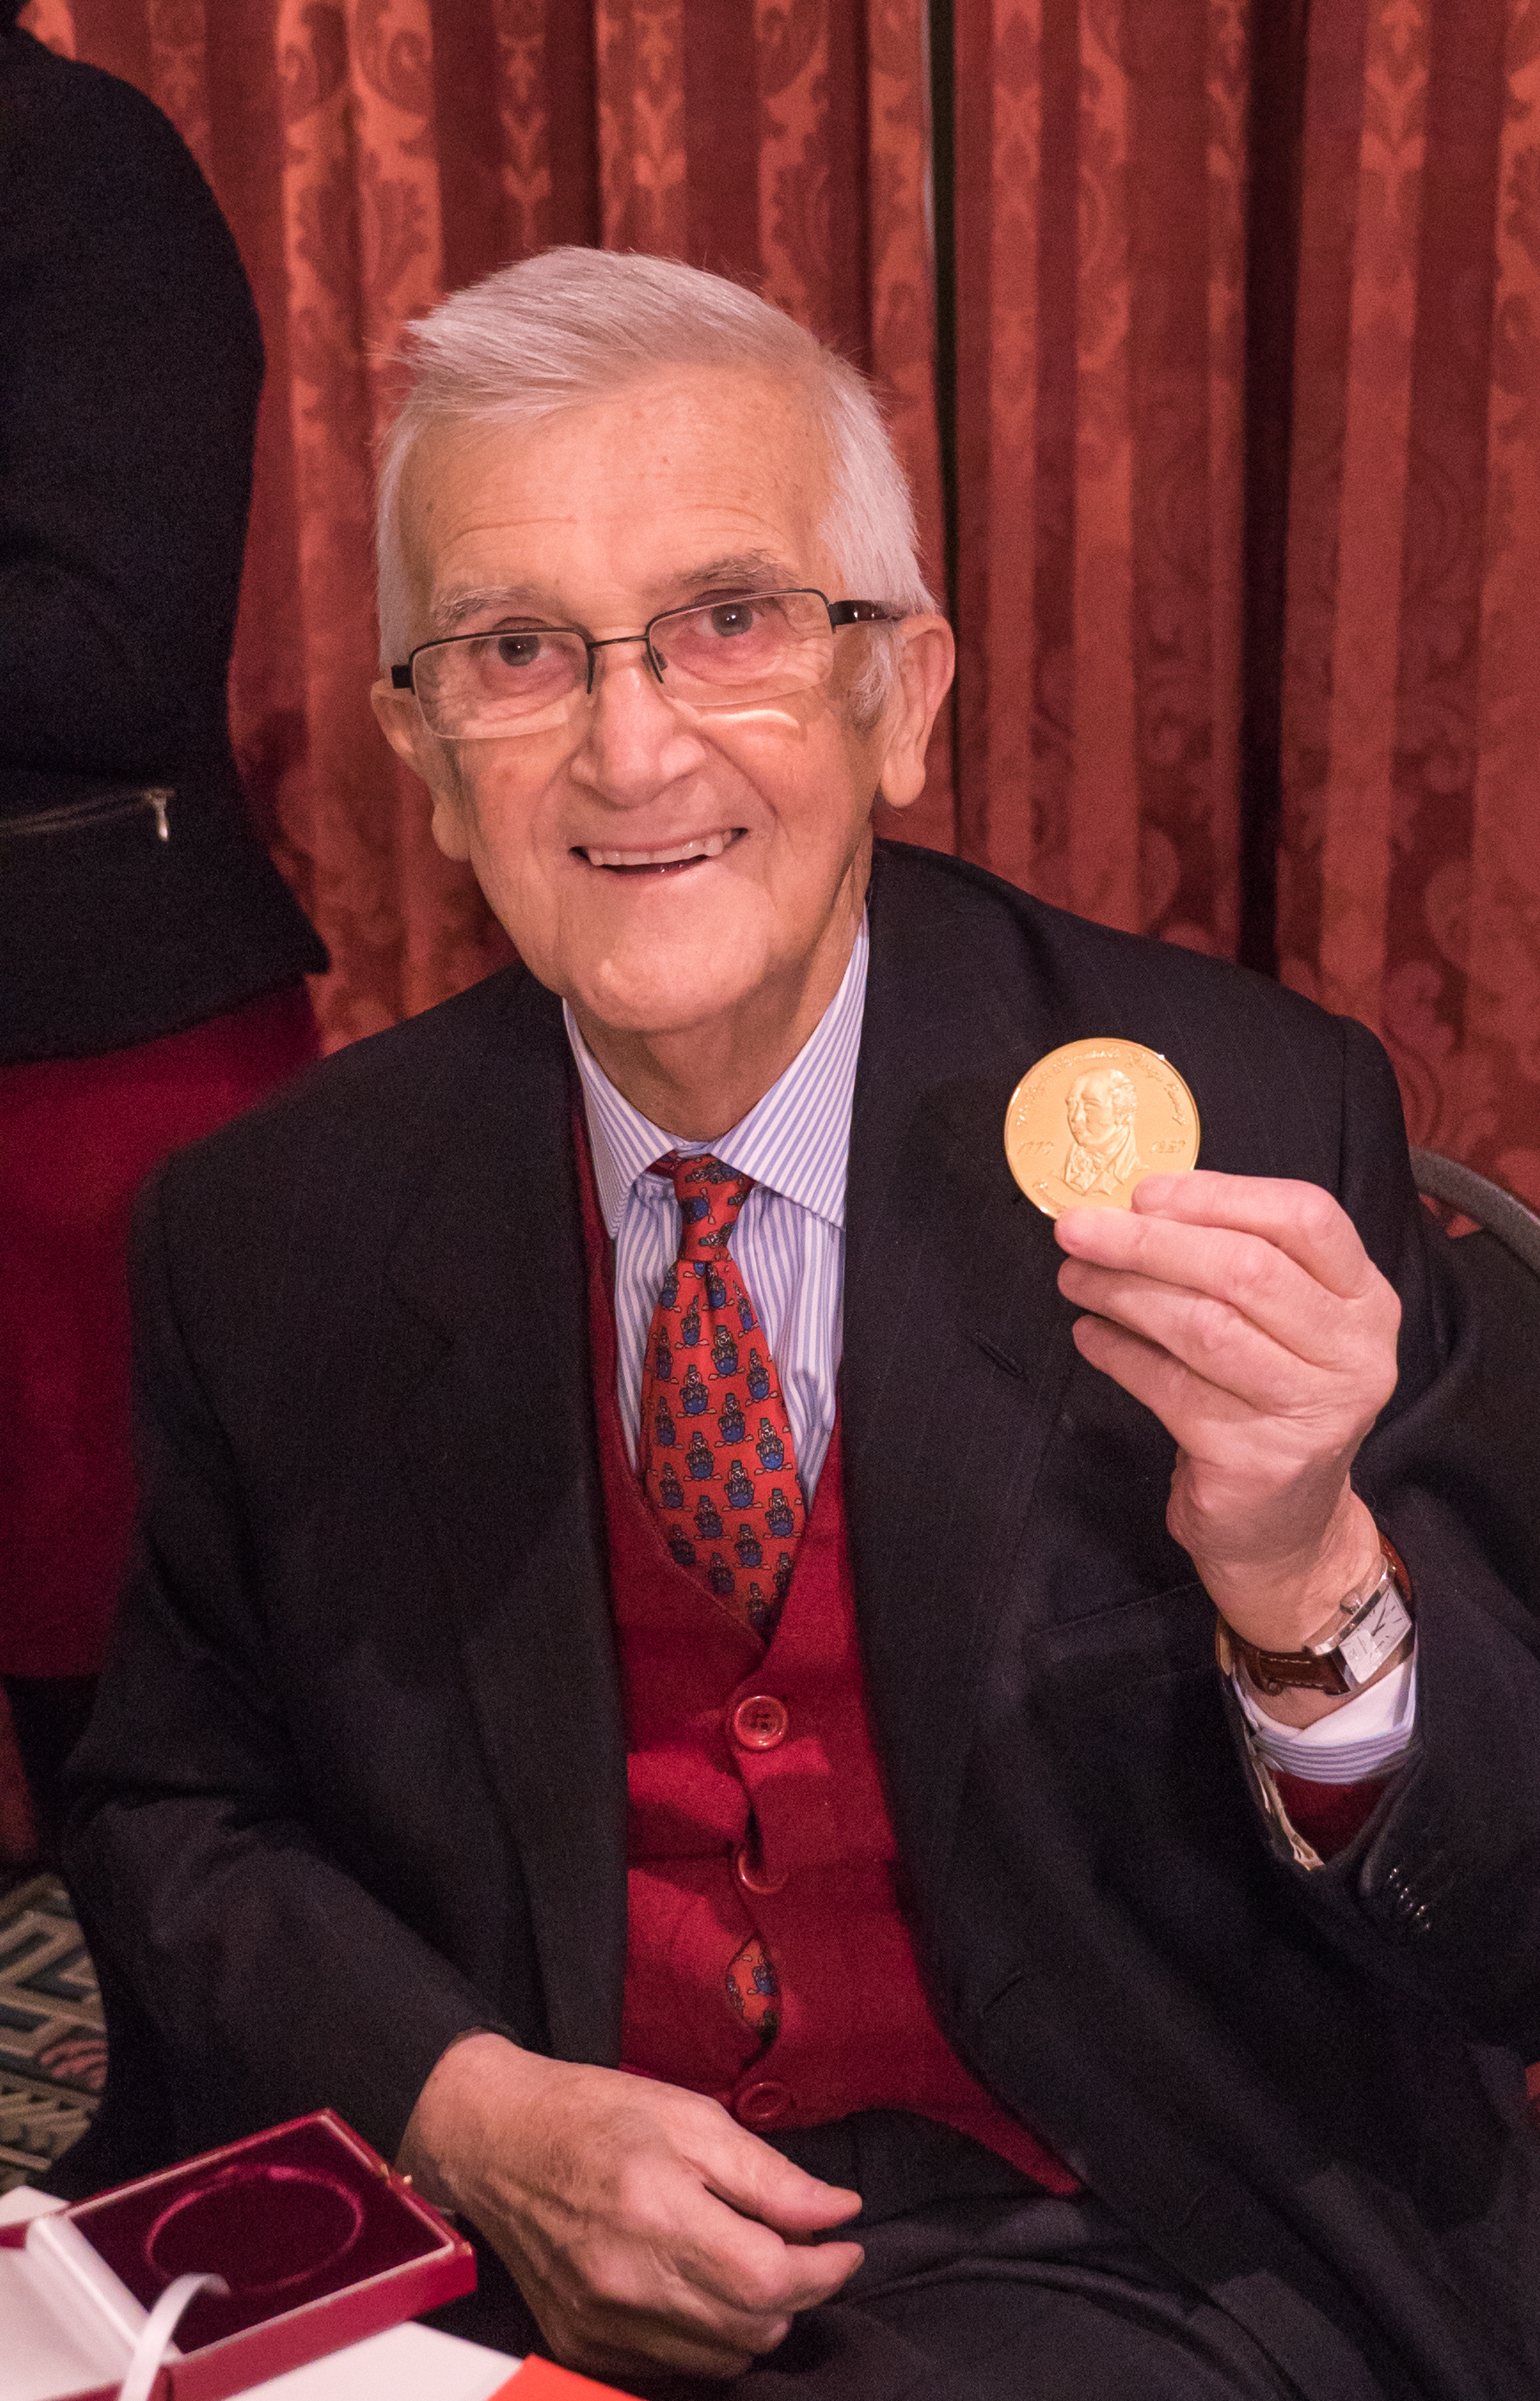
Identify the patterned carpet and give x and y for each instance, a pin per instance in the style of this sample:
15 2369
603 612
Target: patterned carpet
53 2051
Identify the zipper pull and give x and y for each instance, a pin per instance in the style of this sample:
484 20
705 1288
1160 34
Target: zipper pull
159 796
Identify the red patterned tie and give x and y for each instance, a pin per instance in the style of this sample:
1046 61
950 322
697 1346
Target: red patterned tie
715 1454
717 1462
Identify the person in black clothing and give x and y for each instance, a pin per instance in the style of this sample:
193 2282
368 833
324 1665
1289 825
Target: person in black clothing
152 954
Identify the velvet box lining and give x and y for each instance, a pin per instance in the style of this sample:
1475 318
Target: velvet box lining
286 2218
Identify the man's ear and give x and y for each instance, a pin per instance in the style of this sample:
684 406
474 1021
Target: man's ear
926 663
401 723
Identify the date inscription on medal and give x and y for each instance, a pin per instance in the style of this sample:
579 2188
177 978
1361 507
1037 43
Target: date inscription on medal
1090 1119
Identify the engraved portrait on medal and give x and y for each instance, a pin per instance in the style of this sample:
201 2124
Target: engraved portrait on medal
1093 1116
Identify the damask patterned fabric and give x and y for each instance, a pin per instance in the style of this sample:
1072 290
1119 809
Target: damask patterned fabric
1100 189
371 153
1409 884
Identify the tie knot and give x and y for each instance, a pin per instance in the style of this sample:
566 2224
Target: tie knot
710 1196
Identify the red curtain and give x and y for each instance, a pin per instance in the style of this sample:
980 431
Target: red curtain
373 154
1410 887
1192 281
1100 184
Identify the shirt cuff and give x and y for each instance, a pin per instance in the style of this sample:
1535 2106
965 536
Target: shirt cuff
1365 1737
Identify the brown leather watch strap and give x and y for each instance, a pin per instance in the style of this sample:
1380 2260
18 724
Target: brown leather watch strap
1317 1670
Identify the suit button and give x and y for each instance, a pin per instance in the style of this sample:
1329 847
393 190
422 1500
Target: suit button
762 2104
755 1878
760 1721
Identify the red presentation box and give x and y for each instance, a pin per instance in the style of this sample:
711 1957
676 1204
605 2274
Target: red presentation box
320 2243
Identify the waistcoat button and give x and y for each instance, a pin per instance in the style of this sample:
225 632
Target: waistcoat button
752 1878
762 2104
760 1721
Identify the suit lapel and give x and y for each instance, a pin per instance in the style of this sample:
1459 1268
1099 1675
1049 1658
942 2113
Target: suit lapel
498 1444
956 1342
957 1355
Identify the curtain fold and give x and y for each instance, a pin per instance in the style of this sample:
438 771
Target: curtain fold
1409 884
371 155
1089 508
1100 200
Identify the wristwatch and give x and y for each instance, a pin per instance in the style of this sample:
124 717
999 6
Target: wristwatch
1371 1623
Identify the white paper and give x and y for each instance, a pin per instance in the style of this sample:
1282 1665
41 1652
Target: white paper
410 2362
40 2358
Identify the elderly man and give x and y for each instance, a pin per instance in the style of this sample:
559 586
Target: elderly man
672 1677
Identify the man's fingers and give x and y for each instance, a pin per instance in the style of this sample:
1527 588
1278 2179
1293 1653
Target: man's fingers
716 2290
812 2273
1150 1374
1277 1373
678 2245
1246 1313
751 2176
1209 1424
771 2206
1269 1366
1262 1288
612 2342
641 2222
1208 1265
1301 1219
750 2283
746 2265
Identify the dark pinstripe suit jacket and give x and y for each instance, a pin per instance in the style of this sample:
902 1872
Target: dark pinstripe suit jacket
357 1781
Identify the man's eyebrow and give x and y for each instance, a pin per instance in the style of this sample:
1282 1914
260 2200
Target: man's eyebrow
748 570
744 570
451 608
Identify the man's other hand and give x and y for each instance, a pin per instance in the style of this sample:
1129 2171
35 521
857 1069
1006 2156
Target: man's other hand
643 2226
1246 1312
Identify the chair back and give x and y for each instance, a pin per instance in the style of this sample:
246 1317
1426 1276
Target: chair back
1498 1212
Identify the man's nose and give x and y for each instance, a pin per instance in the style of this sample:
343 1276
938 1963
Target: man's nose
632 738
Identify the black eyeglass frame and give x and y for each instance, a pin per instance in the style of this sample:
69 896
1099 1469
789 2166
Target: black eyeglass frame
841 612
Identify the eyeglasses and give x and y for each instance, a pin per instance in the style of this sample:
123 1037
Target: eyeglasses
721 655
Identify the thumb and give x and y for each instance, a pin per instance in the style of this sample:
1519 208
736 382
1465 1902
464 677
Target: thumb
762 2184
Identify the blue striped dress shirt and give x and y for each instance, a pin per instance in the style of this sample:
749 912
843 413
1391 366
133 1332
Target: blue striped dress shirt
790 1248
790 1239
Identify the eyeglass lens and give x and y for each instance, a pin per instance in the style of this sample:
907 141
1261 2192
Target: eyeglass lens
725 652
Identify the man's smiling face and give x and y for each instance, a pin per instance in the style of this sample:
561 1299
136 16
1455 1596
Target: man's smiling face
662 868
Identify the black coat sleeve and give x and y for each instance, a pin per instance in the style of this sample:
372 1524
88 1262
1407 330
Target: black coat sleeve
1441 1890
272 1979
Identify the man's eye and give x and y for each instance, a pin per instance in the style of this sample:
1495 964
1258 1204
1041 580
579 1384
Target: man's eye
517 650
732 617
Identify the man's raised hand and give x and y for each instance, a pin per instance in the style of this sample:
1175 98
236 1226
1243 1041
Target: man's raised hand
1246 1312
643 2226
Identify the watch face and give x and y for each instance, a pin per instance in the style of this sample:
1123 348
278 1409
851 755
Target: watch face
1365 1650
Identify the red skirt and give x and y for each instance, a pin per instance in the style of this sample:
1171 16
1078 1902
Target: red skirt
76 1138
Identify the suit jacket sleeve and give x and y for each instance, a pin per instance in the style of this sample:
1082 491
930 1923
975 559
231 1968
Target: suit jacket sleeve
1441 1890
275 1980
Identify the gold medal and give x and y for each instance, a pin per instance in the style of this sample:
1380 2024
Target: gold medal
1089 1120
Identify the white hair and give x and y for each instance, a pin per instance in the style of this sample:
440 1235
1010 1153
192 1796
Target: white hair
575 326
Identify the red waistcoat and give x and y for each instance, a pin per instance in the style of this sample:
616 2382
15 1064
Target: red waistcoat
756 1806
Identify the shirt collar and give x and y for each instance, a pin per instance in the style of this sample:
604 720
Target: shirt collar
795 1140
